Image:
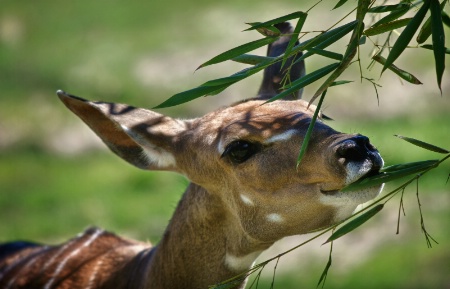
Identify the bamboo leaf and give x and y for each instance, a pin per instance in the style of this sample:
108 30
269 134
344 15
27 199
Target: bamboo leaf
351 50
213 86
294 37
340 82
281 19
237 51
430 47
252 59
266 31
392 16
355 223
323 40
306 140
388 8
186 96
424 145
445 18
390 174
326 53
305 80
324 275
406 36
438 38
382 28
348 56
425 31
400 72
339 4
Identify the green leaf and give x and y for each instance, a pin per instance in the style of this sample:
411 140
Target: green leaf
351 50
252 59
400 72
324 275
340 82
392 16
350 53
355 223
339 4
186 96
382 28
276 20
387 175
424 145
388 8
430 47
323 40
425 31
305 80
294 37
445 18
213 86
326 53
237 51
266 31
306 140
406 36
438 38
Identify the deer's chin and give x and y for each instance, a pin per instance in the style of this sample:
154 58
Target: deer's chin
349 199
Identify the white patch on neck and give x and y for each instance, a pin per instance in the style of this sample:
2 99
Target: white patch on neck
240 263
287 135
246 200
274 218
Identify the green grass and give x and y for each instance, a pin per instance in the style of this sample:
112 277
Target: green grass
45 197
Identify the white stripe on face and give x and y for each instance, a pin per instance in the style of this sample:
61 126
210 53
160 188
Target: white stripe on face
285 136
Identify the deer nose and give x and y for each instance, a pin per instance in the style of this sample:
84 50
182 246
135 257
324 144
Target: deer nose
358 149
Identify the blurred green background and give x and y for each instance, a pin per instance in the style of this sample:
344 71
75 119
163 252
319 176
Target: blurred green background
56 178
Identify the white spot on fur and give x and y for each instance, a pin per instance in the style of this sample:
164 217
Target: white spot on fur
287 135
274 218
246 200
240 263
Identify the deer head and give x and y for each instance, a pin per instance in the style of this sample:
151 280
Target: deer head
246 191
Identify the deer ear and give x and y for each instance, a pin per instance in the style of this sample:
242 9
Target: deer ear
142 137
274 74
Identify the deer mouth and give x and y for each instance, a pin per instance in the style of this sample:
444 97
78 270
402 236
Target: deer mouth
372 172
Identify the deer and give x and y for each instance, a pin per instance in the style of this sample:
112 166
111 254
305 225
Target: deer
245 191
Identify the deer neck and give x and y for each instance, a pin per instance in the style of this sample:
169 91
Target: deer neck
202 245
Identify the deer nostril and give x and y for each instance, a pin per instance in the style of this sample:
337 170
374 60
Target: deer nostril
355 149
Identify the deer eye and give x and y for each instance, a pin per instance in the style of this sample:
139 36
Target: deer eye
239 151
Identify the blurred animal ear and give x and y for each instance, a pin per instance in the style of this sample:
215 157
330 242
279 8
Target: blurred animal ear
143 138
271 84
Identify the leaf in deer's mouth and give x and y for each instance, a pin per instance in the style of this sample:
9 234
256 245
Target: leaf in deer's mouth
390 173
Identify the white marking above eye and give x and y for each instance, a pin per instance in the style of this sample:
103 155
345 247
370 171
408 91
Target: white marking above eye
287 135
